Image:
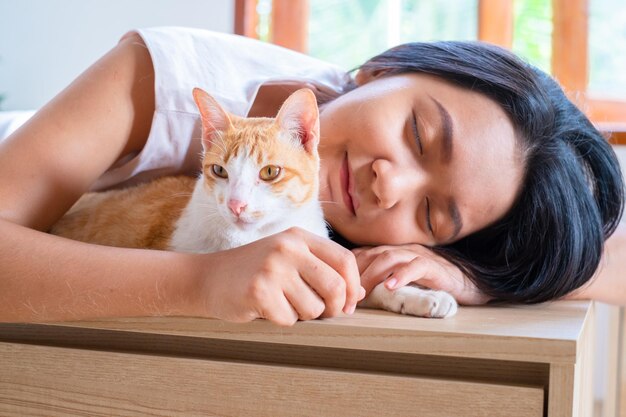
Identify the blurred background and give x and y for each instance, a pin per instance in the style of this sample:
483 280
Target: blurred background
45 44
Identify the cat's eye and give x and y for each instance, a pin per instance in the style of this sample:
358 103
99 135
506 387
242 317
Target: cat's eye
219 171
269 172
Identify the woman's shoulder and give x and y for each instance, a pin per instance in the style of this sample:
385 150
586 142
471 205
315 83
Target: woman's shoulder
226 48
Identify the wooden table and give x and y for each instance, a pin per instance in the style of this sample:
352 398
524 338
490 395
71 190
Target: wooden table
486 361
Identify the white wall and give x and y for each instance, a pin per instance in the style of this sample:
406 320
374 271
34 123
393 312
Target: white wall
45 44
603 316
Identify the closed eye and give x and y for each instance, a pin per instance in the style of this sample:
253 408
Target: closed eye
429 225
416 134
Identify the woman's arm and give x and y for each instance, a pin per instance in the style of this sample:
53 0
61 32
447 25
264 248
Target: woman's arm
609 283
46 278
289 276
65 147
45 166
415 263
56 156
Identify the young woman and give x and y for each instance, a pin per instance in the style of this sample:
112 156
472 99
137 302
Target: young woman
457 165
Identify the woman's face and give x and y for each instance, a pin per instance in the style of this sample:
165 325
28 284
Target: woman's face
414 159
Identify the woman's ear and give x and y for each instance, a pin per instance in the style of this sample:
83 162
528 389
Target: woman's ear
365 76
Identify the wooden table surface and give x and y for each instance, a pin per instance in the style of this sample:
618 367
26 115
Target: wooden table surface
545 348
546 333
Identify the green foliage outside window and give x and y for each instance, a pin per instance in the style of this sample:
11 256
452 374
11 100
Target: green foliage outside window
347 32
532 31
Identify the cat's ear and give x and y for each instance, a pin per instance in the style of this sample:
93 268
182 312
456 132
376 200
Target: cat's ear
215 119
300 116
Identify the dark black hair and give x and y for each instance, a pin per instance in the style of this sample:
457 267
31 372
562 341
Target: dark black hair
550 242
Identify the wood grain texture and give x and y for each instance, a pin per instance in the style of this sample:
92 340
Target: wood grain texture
561 391
469 369
546 333
485 361
59 381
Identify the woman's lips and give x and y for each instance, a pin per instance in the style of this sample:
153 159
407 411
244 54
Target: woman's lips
347 186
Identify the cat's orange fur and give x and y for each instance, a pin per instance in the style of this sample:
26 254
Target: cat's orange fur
145 216
138 217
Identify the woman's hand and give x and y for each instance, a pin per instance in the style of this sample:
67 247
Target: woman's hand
285 277
400 265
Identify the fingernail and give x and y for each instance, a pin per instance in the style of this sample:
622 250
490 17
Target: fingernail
391 283
351 309
361 294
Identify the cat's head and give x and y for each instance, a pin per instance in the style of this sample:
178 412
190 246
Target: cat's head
259 170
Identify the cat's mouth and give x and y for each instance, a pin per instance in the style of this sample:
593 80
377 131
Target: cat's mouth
347 185
243 223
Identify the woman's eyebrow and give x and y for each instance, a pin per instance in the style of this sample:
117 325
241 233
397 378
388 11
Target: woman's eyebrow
447 133
447 130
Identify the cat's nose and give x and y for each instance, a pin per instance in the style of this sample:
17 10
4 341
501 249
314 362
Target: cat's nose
237 206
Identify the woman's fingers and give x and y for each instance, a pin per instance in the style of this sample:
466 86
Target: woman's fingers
382 265
290 275
281 312
333 273
328 284
420 269
305 301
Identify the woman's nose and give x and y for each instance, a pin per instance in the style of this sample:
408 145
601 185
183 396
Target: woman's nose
391 184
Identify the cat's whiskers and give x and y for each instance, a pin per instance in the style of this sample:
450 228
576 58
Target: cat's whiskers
209 217
206 205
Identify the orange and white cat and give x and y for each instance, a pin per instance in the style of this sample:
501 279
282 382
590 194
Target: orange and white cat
259 176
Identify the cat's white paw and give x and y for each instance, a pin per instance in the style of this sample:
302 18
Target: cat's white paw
413 301
428 303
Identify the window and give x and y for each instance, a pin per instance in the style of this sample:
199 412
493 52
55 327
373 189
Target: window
581 42
337 26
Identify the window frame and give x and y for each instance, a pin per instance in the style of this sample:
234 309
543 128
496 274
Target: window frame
570 47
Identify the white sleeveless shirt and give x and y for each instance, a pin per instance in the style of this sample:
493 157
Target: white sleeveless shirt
229 67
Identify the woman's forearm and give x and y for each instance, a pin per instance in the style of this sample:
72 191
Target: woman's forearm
288 276
609 283
48 278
